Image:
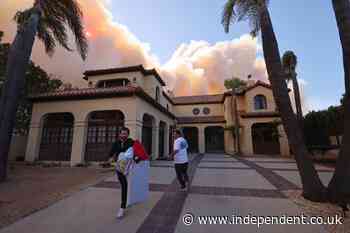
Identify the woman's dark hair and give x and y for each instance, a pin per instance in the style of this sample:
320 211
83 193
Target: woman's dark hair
178 132
124 129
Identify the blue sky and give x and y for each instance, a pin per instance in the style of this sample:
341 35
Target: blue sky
306 27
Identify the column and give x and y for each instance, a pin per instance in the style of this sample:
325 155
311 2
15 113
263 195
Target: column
284 144
135 130
247 140
79 142
201 139
155 140
229 142
166 140
33 144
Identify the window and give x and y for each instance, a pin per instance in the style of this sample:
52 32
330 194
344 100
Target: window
195 111
113 83
206 111
157 94
260 102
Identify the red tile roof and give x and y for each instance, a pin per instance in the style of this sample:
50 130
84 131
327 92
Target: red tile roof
213 99
138 68
201 119
85 92
94 93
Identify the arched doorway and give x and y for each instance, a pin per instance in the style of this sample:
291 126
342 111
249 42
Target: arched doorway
147 132
162 133
265 139
191 135
103 128
214 139
57 137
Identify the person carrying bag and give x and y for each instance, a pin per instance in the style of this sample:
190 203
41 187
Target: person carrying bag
126 152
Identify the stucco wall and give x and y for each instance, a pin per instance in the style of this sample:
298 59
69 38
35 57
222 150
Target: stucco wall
259 90
80 110
128 75
201 134
133 109
247 140
142 108
186 110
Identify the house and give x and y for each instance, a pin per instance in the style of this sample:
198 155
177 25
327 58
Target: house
81 124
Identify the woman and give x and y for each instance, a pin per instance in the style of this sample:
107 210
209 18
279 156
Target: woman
122 144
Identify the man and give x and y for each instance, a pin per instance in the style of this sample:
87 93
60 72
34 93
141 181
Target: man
122 144
180 159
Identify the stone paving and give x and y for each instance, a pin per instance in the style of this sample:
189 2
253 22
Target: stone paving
220 186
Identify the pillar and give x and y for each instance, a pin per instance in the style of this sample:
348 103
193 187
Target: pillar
229 142
155 139
166 140
283 140
201 139
33 144
135 130
247 140
79 142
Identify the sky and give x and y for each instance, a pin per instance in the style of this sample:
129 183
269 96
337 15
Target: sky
185 41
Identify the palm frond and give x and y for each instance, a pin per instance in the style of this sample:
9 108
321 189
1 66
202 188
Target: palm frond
289 59
62 12
58 30
242 10
55 17
45 35
21 17
228 15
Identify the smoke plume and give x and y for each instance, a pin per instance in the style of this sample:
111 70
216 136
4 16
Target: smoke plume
195 68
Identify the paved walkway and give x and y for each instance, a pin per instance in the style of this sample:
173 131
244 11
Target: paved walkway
220 186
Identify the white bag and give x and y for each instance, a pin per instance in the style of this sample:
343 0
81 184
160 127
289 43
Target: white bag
125 161
128 154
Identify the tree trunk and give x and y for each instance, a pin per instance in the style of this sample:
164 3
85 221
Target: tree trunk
17 62
233 115
297 99
313 188
339 188
238 137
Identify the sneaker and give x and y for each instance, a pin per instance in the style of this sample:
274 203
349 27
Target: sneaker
183 189
120 213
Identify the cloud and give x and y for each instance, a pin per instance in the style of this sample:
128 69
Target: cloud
195 68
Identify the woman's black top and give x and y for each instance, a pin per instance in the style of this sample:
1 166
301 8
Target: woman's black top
120 146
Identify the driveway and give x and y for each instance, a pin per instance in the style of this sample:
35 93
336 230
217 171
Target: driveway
220 186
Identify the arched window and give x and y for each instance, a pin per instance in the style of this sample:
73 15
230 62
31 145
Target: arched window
157 94
260 102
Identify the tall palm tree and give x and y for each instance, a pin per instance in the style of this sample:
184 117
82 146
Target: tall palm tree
47 20
289 62
339 188
257 13
235 84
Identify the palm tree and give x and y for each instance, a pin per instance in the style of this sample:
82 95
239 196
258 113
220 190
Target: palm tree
235 84
257 13
47 20
289 62
338 188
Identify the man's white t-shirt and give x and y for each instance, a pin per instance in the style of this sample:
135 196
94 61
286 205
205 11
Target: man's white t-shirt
181 155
